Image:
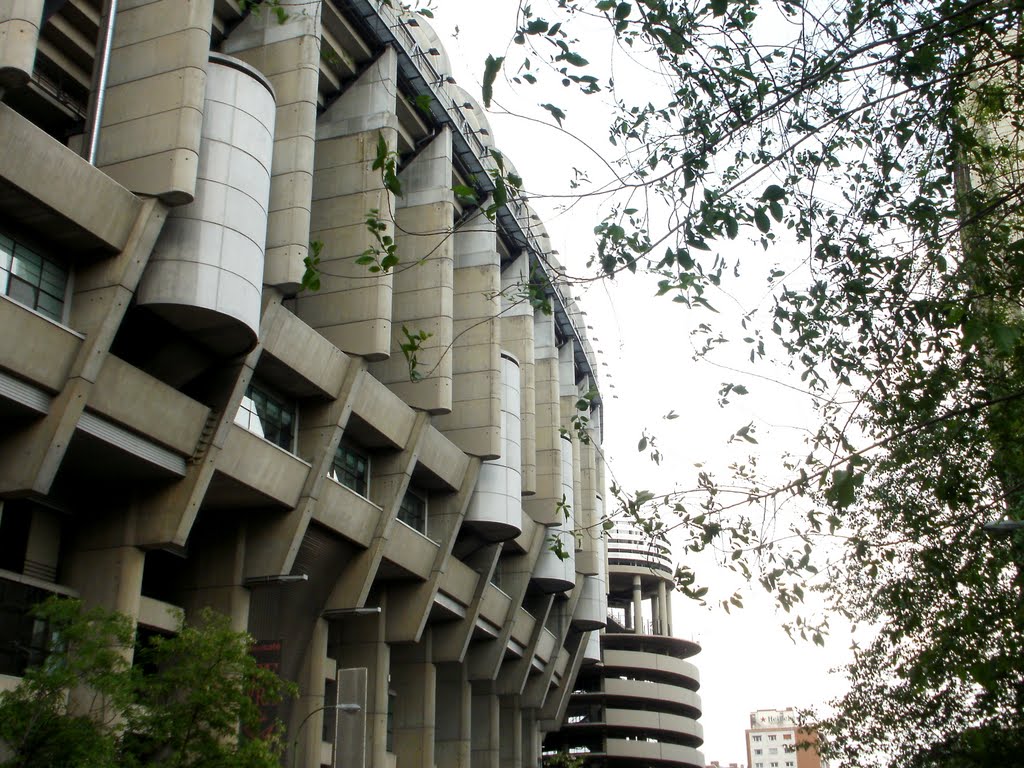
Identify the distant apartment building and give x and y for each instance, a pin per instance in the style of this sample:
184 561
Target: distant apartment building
773 739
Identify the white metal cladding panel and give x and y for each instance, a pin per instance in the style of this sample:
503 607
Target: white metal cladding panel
592 608
496 509
209 256
661 721
568 523
650 750
644 689
592 651
645 660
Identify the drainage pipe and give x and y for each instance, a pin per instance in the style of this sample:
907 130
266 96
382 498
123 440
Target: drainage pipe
99 91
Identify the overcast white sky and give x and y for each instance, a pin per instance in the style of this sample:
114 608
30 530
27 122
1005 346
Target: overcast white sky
644 347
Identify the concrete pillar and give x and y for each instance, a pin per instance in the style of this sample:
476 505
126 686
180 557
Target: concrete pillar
423 281
485 726
655 616
544 505
662 609
42 550
668 608
517 336
352 309
531 739
306 727
510 732
288 54
358 642
453 736
105 569
19 36
153 111
638 612
475 421
217 564
413 678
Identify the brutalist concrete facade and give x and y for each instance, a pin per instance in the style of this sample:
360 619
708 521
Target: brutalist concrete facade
182 426
635 702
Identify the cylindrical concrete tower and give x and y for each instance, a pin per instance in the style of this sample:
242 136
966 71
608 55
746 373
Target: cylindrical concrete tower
638 706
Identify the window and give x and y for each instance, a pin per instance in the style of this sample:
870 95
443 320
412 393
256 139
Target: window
271 417
758 751
789 764
787 736
755 738
351 467
389 728
413 511
774 764
32 280
772 737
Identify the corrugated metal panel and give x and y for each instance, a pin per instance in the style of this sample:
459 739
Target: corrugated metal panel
25 394
130 442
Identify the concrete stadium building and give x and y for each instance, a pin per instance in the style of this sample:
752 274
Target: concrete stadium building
368 477
635 702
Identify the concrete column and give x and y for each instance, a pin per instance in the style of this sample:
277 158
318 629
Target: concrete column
352 309
475 421
288 54
510 732
517 336
668 608
217 563
486 726
105 568
531 739
413 677
453 735
655 616
358 642
305 734
543 506
153 111
42 550
663 619
638 612
423 281
19 36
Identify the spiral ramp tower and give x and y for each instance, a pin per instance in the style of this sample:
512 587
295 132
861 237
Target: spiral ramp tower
635 703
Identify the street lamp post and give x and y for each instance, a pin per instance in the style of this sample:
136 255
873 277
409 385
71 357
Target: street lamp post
348 708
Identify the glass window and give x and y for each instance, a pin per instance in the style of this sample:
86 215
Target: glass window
755 738
351 467
32 280
268 416
772 737
413 511
389 728
758 751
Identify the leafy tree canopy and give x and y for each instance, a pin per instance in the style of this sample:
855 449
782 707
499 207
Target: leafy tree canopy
878 142
180 704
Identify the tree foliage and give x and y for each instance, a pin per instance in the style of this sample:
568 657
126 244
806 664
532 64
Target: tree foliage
876 143
181 703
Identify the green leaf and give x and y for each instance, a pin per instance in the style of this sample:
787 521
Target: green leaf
761 220
556 113
491 68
